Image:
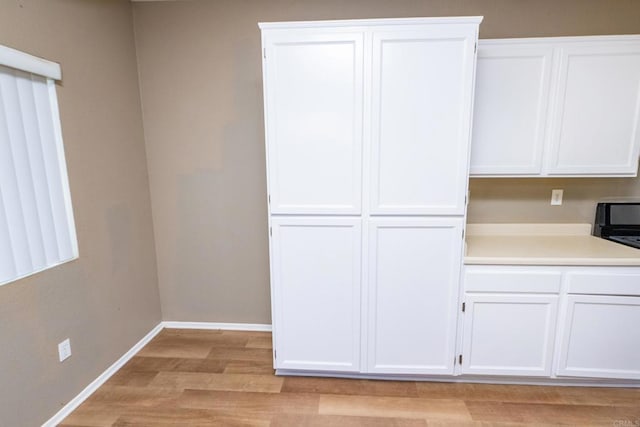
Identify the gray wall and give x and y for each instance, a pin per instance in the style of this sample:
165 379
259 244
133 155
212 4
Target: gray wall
107 299
200 77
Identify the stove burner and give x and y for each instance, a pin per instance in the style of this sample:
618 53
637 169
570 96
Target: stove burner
633 241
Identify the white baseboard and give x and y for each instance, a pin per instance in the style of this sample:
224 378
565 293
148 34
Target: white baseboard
261 327
88 391
489 379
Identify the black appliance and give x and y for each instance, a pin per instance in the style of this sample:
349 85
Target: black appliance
618 222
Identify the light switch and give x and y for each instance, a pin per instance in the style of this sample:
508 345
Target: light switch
64 349
556 197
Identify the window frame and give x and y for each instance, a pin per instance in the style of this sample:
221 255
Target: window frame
50 72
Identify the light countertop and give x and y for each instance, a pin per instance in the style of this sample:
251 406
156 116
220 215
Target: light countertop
543 244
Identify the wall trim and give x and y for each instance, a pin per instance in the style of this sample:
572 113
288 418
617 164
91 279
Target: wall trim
102 378
260 327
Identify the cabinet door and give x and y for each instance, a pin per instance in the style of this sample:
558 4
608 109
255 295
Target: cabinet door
510 112
422 85
316 281
414 270
509 334
597 110
601 337
313 99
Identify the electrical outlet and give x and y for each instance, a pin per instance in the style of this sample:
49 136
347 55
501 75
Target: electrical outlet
64 349
556 197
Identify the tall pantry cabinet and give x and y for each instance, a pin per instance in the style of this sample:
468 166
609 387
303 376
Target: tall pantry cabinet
367 141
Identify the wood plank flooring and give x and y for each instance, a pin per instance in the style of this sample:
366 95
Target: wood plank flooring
224 378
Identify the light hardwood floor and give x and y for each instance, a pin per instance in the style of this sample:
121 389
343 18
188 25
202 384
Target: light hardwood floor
224 378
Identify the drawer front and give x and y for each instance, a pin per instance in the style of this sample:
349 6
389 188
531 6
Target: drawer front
605 281
512 279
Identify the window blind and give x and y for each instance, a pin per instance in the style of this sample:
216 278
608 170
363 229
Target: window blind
37 229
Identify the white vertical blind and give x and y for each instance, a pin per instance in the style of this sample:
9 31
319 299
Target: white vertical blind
36 220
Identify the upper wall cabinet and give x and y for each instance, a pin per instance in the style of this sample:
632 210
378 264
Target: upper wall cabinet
596 111
564 106
511 102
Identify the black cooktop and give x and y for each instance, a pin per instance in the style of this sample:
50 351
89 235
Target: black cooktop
618 222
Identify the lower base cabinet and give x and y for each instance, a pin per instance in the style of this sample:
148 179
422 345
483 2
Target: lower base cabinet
601 337
509 334
552 321
384 300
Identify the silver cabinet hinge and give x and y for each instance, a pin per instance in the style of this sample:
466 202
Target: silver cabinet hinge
269 197
475 48
270 231
264 52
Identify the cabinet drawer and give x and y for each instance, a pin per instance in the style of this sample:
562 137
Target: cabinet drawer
605 282
509 279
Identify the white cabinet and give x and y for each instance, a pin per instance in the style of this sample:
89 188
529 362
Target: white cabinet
367 126
511 103
509 320
601 337
509 279
313 114
414 269
508 334
315 263
563 106
597 110
551 321
420 120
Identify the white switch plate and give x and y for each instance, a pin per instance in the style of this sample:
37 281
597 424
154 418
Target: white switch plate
556 197
64 349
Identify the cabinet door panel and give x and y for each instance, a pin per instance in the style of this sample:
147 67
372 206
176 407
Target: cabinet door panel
414 270
510 112
597 111
421 104
316 293
509 334
314 122
601 338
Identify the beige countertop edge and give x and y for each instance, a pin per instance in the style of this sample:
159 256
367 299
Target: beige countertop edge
588 262
543 244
